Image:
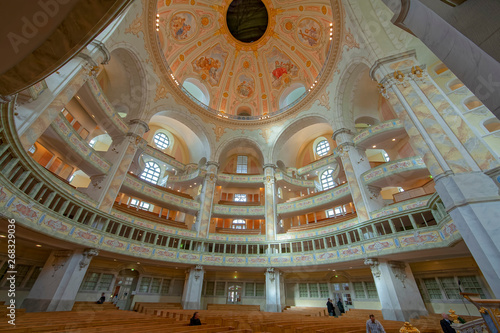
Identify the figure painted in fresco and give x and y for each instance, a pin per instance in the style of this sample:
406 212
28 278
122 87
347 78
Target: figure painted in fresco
211 64
310 35
181 26
309 32
282 72
246 86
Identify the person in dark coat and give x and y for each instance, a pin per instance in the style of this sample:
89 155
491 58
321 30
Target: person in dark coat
341 306
330 307
446 324
195 320
102 299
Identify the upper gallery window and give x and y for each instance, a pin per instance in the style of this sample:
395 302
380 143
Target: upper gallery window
242 164
327 181
322 148
151 172
240 197
161 140
239 224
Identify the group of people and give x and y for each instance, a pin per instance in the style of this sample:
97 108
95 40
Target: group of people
331 308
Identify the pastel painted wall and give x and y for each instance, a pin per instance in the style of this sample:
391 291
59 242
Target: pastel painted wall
178 149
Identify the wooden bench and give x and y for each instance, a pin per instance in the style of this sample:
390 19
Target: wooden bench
233 307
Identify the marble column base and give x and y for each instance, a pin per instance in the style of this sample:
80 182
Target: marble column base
46 305
191 305
402 315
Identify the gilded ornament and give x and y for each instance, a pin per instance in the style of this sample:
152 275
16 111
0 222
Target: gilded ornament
324 10
408 328
417 71
454 317
398 75
205 21
301 8
288 25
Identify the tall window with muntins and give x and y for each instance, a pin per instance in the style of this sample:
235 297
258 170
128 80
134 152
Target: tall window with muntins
239 224
471 285
327 181
322 148
151 172
240 197
242 164
161 140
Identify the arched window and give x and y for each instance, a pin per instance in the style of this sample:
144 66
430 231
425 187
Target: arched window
32 149
492 124
161 140
197 90
239 224
322 148
327 181
291 94
151 172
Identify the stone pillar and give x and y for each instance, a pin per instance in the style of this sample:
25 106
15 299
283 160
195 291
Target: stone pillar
191 296
104 188
459 161
355 164
275 290
202 223
270 193
41 121
397 290
59 282
468 61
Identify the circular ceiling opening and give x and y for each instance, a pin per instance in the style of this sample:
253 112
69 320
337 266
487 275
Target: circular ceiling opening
247 20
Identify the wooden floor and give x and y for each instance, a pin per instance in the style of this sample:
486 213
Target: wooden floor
167 317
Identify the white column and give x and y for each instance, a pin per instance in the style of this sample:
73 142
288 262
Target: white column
275 290
397 290
202 224
59 282
471 64
191 296
270 201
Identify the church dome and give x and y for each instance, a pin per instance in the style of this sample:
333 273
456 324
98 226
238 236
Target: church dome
248 60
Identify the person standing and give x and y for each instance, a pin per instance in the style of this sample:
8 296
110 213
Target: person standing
446 324
330 307
374 326
340 306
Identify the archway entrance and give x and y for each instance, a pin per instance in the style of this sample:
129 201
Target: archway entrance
234 292
341 290
124 288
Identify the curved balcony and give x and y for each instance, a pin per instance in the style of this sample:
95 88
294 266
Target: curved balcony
195 176
241 211
241 180
395 173
293 183
63 137
318 164
93 99
161 156
323 200
38 204
380 133
158 195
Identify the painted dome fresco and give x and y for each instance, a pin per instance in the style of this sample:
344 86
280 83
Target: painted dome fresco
248 59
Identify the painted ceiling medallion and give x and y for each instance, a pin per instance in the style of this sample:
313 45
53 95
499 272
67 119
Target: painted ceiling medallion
238 51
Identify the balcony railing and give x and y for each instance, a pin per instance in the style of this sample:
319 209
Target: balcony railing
35 202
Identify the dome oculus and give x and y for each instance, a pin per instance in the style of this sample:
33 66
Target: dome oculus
247 20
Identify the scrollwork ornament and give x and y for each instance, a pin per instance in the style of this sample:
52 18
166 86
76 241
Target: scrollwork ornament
374 266
87 257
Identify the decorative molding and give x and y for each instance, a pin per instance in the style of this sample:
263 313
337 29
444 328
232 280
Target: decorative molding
374 266
399 270
60 259
87 257
197 271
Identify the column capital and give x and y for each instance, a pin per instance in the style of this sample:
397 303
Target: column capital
374 266
87 257
216 164
342 130
381 68
140 123
269 165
